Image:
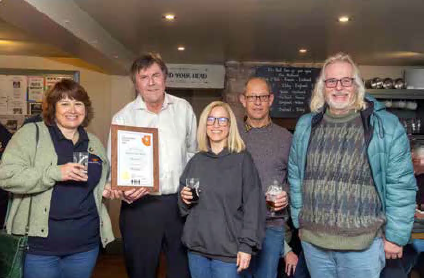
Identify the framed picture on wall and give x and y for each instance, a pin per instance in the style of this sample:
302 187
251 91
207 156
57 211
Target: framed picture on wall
34 108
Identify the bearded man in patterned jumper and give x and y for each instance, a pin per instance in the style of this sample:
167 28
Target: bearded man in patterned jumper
351 178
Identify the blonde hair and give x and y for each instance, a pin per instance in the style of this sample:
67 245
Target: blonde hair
234 141
318 100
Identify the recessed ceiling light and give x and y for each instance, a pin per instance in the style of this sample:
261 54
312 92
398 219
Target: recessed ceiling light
302 50
344 19
116 56
169 17
181 48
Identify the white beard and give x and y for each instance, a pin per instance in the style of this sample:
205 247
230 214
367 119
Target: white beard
339 105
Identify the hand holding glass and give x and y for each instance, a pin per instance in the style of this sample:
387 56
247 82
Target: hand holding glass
271 194
193 184
81 158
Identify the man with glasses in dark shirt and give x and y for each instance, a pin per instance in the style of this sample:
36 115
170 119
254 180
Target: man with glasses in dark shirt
269 146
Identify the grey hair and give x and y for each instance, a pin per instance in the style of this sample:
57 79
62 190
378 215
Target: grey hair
318 100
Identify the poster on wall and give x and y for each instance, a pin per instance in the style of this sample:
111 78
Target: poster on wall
17 94
3 105
22 93
35 88
16 107
52 79
12 122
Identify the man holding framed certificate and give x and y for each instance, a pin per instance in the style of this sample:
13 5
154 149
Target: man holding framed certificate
149 217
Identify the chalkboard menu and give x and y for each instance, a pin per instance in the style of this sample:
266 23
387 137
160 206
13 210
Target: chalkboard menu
292 89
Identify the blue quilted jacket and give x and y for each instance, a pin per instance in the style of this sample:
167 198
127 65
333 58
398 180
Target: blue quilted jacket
389 159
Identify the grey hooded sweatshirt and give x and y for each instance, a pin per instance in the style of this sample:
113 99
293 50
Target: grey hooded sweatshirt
230 214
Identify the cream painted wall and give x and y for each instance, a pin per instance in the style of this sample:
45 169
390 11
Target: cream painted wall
122 92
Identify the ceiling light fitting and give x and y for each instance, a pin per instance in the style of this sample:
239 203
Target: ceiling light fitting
169 17
344 19
181 48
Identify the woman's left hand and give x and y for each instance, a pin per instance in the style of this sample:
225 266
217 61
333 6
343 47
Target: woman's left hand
243 260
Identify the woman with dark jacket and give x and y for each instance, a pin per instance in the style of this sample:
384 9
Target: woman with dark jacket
225 226
62 200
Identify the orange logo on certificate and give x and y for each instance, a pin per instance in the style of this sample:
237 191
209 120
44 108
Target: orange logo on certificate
146 140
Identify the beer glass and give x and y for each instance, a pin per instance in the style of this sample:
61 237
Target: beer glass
193 184
81 158
271 194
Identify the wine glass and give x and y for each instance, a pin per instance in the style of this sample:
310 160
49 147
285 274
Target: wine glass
193 184
271 195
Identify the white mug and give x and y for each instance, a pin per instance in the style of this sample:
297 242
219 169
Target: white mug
401 104
411 105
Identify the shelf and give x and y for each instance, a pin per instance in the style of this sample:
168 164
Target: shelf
416 137
396 94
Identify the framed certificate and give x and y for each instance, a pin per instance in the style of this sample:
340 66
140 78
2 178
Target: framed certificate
134 158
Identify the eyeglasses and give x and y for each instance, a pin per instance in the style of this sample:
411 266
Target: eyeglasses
222 121
262 98
345 82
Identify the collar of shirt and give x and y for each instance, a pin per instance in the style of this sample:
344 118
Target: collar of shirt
140 104
249 127
59 136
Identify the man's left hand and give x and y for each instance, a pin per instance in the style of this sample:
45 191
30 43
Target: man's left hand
392 251
281 201
291 261
134 194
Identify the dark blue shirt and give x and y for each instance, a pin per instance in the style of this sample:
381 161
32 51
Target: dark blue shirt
73 217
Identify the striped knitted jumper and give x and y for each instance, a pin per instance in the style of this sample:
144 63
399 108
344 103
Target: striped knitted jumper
341 207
